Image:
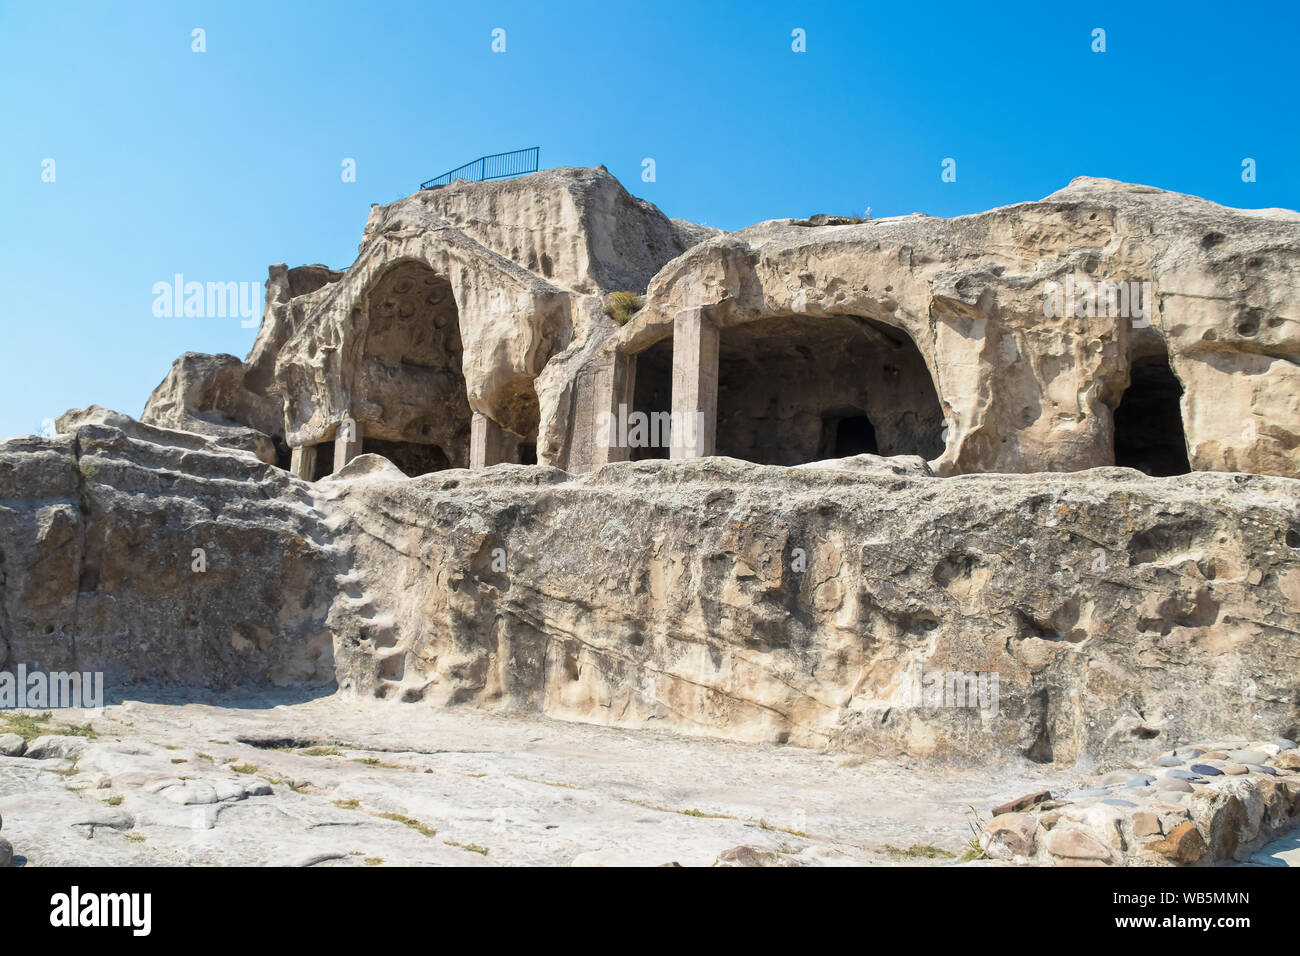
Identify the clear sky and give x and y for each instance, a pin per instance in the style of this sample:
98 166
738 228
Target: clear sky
216 164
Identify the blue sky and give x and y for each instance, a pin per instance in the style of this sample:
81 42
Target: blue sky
216 164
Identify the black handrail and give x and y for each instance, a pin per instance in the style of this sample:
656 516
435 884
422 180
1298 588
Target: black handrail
517 162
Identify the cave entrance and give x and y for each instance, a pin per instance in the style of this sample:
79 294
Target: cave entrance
1149 420
324 462
848 433
652 398
413 458
410 397
796 389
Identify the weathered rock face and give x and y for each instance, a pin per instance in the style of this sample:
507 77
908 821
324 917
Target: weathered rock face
155 555
206 394
817 606
859 604
511 272
1022 390
577 228
1106 324
235 403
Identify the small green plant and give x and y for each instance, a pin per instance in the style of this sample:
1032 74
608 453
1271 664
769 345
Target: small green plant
919 851
348 804
179 760
373 860
422 828
135 837
621 306
471 847
84 468
243 768
26 726
114 801
975 822
767 826
82 730
320 752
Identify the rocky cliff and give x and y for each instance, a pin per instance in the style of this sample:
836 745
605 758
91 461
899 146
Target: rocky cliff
810 605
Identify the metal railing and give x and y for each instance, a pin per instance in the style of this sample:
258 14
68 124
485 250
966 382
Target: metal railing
518 162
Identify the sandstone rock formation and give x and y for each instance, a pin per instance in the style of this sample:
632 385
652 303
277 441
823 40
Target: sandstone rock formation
907 404
160 556
1106 324
961 303
810 605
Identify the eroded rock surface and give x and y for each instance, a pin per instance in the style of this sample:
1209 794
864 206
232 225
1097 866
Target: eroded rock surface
809 605
152 554
273 780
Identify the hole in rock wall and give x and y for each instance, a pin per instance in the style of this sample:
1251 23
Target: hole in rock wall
797 389
653 396
412 458
410 370
324 464
845 434
1149 420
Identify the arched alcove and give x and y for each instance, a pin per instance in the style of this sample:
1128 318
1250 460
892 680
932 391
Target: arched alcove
409 397
1149 420
796 389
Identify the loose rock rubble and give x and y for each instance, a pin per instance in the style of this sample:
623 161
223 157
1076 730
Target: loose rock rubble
1196 805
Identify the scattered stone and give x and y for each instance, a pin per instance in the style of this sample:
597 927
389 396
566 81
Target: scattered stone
1075 844
1140 780
1287 760
55 746
1183 844
1146 823
6 853
1023 803
1282 743
1214 755
1260 768
1009 835
1173 783
1178 774
1116 802
1189 753
753 856
1077 795
1247 756
1167 760
1205 770
1235 769
12 745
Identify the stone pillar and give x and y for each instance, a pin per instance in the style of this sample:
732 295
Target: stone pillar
302 463
484 442
695 385
614 383
347 442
